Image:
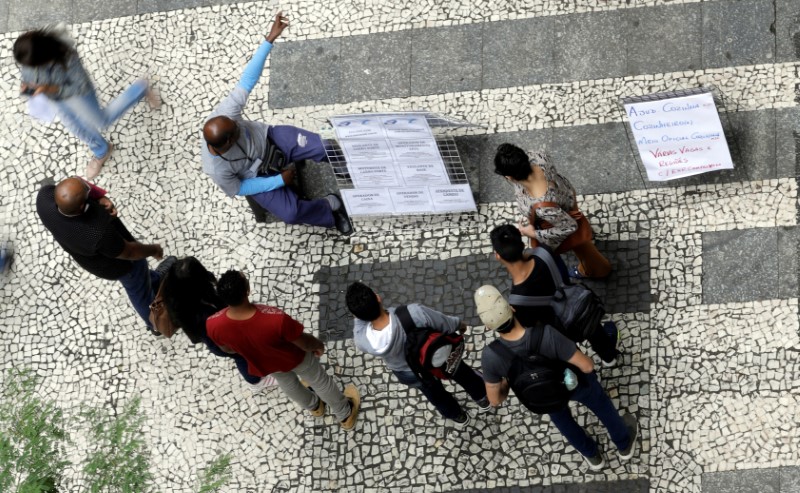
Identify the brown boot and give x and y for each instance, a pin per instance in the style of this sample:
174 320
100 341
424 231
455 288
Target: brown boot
351 392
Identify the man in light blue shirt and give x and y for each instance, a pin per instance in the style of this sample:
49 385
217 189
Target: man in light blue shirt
233 150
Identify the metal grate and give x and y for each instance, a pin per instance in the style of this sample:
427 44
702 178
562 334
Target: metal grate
444 130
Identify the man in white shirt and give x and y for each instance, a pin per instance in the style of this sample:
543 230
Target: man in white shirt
378 331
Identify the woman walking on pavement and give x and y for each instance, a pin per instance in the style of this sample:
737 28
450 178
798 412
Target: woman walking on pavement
547 200
51 68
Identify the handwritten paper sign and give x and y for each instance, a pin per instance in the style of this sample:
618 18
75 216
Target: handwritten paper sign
679 137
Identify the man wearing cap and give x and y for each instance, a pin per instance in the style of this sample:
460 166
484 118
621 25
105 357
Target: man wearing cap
530 276
233 149
497 314
379 332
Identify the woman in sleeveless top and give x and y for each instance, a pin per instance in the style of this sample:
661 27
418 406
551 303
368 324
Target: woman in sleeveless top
190 295
547 202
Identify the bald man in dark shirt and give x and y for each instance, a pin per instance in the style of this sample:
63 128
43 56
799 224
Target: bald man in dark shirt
84 221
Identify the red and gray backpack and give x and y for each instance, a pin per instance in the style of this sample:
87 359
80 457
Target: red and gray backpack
429 352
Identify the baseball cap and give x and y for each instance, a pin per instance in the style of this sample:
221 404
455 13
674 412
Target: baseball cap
493 309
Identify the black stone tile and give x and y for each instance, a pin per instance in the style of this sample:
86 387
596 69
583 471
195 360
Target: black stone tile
751 137
738 32
740 265
590 46
3 17
32 14
790 479
627 288
640 485
664 39
446 59
145 6
376 66
89 10
449 285
744 481
596 158
788 267
518 53
787 142
787 30
304 73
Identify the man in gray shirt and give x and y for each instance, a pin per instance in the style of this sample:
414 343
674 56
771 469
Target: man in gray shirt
378 332
233 149
497 314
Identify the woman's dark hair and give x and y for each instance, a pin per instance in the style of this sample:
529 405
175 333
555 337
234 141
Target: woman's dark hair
507 242
190 296
232 287
362 302
512 161
40 47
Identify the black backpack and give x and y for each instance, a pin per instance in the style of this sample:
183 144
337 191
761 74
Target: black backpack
537 381
577 308
423 342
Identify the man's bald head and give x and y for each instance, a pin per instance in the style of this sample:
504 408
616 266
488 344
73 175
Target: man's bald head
219 131
70 195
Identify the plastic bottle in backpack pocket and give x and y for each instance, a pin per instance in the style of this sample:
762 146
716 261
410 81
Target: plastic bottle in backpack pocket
570 379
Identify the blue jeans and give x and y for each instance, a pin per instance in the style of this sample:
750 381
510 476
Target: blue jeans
287 206
241 363
297 143
444 402
591 394
141 284
84 118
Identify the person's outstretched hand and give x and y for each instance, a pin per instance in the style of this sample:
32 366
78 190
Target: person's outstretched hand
281 22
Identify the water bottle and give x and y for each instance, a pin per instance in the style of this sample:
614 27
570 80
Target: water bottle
570 379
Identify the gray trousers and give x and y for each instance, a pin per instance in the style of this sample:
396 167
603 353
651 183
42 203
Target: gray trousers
325 387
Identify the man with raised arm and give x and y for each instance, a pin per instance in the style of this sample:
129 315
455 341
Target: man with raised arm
233 149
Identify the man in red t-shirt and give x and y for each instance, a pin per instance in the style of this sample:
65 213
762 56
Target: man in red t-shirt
274 344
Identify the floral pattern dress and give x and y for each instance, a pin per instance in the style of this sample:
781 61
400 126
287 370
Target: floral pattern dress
559 191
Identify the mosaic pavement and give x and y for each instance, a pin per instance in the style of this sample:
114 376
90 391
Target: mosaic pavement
706 282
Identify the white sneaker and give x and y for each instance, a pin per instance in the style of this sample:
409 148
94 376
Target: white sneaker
484 406
462 421
596 463
96 164
261 385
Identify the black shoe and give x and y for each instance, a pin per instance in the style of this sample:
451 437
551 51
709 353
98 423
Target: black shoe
165 264
340 217
462 420
633 429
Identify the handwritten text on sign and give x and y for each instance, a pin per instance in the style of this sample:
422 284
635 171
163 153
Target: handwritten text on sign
679 137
